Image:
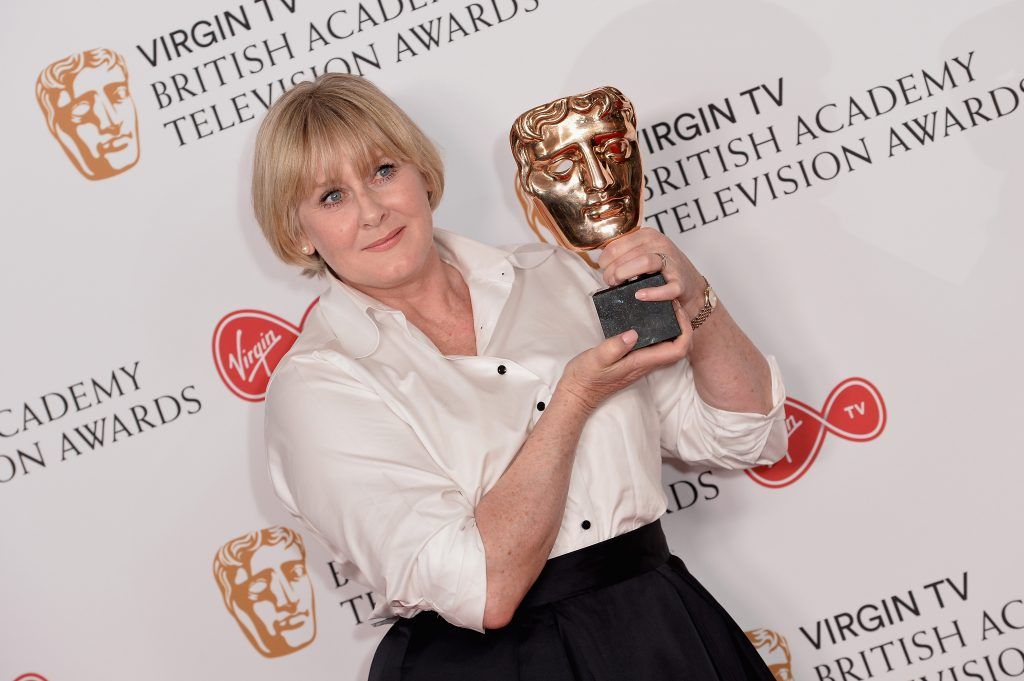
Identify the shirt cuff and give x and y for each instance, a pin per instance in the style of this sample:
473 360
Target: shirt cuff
747 439
454 556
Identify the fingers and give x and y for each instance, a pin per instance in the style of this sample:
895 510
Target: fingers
627 267
660 354
645 238
685 339
611 350
670 291
668 352
610 366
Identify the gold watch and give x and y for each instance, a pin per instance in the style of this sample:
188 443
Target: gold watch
710 303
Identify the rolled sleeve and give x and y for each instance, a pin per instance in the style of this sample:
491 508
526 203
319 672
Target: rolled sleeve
696 432
358 477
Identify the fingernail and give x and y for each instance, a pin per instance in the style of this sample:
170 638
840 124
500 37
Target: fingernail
629 337
641 294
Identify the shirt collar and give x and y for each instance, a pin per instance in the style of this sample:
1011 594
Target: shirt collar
350 312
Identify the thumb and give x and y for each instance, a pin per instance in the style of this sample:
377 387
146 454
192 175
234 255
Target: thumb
613 349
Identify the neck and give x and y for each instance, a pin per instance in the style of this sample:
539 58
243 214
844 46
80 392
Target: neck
439 291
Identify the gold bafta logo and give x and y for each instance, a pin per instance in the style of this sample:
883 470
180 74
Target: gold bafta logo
774 650
90 111
263 580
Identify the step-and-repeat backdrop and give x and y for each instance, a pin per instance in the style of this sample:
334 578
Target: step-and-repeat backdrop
848 175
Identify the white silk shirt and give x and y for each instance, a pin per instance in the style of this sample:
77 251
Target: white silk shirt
383 446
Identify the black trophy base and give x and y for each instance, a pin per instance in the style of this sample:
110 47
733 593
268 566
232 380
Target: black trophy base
619 311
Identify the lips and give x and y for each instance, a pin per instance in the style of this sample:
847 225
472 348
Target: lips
386 239
607 209
293 621
116 144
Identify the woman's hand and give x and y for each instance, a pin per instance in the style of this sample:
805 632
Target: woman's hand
594 375
637 253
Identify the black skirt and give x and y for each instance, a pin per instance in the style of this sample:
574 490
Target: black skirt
624 609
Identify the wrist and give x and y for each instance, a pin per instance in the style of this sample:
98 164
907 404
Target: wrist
701 305
575 398
692 299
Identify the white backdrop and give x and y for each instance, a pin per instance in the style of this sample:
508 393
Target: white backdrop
886 548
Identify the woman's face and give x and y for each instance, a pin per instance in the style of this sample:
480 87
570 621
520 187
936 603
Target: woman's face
345 215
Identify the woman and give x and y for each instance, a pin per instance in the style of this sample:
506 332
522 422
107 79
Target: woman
451 418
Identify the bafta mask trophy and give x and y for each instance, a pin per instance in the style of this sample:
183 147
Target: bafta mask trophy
579 164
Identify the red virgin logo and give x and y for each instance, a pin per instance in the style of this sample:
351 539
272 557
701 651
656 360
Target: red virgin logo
247 347
854 410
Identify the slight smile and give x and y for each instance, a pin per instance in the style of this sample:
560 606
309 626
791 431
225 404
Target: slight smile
387 242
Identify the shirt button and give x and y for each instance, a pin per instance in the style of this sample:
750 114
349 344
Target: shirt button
540 406
501 369
585 524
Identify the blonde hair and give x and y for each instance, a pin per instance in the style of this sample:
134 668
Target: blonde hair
304 133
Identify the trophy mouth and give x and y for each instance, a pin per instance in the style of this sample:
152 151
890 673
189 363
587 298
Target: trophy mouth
608 209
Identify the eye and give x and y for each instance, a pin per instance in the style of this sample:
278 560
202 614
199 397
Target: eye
119 94
81 109
617 148
296 571
385 171
561 168
256 589
331 197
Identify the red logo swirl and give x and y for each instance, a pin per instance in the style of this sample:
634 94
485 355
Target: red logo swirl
247 347
854 410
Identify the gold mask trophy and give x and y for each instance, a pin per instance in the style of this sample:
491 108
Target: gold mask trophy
579 163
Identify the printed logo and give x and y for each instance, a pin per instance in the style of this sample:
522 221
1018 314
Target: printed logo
89 110
31 677
247 347
263 579
854 410
774 650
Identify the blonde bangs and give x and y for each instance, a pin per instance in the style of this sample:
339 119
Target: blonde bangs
332 136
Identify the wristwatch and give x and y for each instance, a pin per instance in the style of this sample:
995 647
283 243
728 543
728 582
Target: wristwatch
710 303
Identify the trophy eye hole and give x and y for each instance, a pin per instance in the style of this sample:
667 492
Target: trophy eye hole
618 148
561 168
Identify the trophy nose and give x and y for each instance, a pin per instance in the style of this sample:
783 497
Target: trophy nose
596 175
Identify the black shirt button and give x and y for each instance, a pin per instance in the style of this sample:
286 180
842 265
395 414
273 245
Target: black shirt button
585 524
540 406
501 369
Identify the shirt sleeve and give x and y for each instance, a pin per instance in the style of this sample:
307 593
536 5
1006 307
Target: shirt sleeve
361 480
696 432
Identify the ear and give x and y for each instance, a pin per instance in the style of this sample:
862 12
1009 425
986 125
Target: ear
428 186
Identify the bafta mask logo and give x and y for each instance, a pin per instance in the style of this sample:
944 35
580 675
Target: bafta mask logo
89 109
579 164
774 651
262 577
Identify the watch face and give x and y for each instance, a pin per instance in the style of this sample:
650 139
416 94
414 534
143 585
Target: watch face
712 298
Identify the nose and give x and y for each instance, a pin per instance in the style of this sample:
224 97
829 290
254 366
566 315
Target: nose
285 598
105 118
596 175
371 212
